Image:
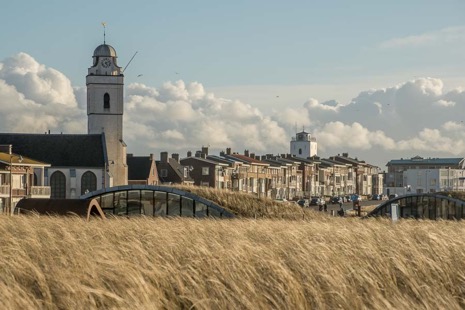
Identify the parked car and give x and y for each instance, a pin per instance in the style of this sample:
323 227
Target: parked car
348 198
315 201
393 196
376 197
336 199
303 202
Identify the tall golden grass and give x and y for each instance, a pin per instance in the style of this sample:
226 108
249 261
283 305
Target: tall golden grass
246 205
146 263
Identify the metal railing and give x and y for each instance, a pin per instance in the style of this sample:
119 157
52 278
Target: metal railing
40 191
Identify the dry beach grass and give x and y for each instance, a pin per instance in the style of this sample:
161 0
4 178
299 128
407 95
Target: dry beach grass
145 263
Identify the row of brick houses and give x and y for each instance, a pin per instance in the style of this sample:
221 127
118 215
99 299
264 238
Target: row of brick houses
282 176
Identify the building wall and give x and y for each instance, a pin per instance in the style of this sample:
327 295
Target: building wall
73 184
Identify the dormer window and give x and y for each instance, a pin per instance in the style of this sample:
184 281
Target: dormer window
106 101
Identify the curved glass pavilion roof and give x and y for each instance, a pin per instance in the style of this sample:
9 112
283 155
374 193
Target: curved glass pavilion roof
152 200
423 206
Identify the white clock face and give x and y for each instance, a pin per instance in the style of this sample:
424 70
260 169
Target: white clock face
106 62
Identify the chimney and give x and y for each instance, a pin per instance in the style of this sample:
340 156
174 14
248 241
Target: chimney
345 154
222 153
228 151
203 155
205 150
283 155
263 157
246 153
6 148
175 156
151 157
252 155
197 153
164 157
189 154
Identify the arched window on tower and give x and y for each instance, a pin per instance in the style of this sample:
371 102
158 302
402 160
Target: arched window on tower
58 185
300 151
88 182
106 101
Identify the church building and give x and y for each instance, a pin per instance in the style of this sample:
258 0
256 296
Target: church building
83 163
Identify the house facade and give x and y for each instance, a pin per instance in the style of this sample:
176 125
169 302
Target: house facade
142 170
20 177
425 175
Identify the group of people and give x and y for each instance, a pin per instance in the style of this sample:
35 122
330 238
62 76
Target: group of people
324 207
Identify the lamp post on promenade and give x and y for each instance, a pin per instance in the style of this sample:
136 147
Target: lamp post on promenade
10 203
11 186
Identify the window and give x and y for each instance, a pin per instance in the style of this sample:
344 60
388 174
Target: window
88 182
163 173
300 151
106 101
205 171
58 185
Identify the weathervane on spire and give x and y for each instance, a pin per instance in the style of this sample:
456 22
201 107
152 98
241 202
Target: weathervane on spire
104 24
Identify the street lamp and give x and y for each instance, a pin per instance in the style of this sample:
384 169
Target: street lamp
426 180
20 159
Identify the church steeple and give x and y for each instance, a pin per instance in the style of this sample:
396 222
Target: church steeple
105 108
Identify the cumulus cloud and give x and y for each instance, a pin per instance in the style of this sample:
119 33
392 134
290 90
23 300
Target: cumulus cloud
36 98
413 117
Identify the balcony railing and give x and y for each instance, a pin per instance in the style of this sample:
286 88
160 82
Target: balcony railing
34 192
5 190
40 191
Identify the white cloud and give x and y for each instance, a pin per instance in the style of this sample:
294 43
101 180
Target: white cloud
35 98
444 103
446 35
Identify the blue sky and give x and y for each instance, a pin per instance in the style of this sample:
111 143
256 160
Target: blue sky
269 55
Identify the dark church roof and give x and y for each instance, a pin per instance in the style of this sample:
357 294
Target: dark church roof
60 150
139 167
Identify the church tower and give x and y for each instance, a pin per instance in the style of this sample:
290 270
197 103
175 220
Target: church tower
105 82
303 145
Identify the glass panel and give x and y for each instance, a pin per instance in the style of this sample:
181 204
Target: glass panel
120 203
423 211
432 208
174 205
458 210
443 208
134 205
200 209
147 202
213 212
452 210
160 204
106 202
187 207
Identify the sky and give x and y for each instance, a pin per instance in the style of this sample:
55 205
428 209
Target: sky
379 80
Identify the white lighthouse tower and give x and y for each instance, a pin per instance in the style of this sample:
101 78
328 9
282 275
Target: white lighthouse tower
303 145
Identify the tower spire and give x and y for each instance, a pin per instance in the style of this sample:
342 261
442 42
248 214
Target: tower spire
104 24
